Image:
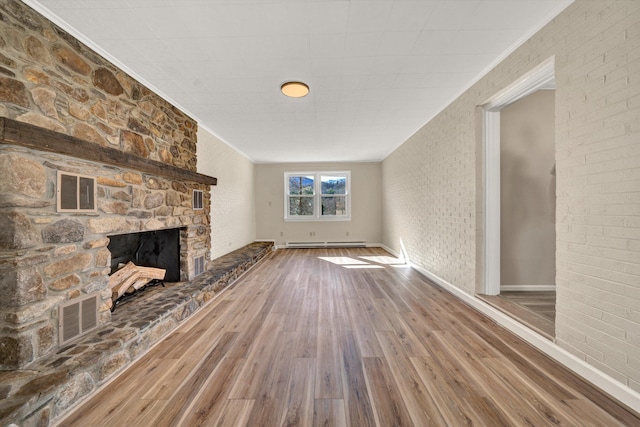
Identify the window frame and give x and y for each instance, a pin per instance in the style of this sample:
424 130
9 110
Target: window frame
317 197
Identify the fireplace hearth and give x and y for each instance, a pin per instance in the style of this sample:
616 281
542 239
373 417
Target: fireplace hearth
54 383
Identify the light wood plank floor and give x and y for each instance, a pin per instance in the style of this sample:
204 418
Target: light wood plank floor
537 310
342 337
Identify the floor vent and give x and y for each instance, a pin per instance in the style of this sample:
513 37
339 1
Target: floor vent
360 244
198 265
77 317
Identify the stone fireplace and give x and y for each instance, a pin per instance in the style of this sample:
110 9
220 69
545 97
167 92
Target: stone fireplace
50 257
159 248
65 109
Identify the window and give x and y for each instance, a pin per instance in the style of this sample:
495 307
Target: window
76 193
317 196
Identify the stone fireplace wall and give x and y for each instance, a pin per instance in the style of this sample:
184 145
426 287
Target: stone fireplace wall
49 79
48 257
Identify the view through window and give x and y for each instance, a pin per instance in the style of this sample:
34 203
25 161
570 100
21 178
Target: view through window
317 196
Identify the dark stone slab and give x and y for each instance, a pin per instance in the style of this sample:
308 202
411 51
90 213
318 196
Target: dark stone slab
63 231
17 232
21 287
43 384
107 81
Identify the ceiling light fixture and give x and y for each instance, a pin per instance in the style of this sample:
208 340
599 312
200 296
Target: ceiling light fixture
294 89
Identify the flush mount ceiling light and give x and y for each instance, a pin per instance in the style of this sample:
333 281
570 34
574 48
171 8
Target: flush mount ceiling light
294 89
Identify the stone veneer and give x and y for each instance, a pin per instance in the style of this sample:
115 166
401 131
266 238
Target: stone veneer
49 79
48 257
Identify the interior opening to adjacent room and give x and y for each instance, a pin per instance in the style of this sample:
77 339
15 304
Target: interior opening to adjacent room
519 239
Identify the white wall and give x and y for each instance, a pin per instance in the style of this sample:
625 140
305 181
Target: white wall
232 200
527 193
432 184
366 214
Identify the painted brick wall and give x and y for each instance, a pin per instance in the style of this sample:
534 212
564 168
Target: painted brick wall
429 197
598 158
430 200
232 199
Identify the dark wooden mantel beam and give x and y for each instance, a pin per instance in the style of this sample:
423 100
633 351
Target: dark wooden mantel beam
27 135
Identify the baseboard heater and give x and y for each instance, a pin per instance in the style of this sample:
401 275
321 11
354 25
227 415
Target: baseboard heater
359 244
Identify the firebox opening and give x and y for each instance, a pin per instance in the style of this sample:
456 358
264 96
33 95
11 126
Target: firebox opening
160 249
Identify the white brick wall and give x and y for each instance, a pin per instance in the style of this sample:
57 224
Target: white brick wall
233 223
429 183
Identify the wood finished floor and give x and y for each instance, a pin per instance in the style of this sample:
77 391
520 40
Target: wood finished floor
342 337
537 310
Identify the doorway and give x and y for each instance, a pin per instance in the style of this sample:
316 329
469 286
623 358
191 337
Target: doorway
519 200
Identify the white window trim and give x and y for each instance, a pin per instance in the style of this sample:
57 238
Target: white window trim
317 216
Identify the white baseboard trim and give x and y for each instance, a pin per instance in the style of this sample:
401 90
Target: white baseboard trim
614 388
367 245
391 251
267 240
532 288
374 245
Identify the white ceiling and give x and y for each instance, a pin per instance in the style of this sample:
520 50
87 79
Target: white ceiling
378 69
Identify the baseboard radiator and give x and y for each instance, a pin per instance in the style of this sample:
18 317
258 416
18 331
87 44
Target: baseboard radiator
359 244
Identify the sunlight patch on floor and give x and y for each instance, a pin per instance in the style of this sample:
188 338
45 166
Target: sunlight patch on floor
369 261
342 260
363 266
386 260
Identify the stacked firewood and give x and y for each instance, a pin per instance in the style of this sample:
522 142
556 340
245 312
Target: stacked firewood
132 277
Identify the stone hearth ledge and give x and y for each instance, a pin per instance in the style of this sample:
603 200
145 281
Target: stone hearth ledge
46 390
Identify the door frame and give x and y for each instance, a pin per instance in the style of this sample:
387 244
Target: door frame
541 77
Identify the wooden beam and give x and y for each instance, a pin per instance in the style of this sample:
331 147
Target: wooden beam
27 135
